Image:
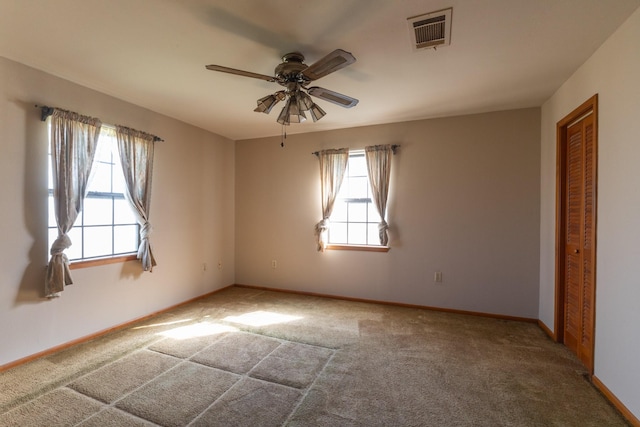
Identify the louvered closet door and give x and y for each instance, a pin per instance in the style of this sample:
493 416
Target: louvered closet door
579 242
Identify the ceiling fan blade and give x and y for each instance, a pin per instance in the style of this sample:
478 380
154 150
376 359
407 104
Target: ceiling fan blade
331 96
332 62
240 72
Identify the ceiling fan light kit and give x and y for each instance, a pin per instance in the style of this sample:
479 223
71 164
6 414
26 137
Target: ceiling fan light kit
291 113
316 112
305 101
294 75
266 104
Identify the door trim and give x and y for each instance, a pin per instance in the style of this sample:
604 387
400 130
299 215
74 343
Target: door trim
590 106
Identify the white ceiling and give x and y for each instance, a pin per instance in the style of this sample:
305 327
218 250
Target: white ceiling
504 54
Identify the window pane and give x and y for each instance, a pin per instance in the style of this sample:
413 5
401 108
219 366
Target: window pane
357 166
339 211
75 250
100 178
103 151
358 234
52 214
344 189
122 212
338 232
97 241
358 187
125 239
119 185
50 182
97 211
374 216
357 212
78 222
373 237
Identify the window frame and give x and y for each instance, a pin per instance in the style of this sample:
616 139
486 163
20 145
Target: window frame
368 201
113 163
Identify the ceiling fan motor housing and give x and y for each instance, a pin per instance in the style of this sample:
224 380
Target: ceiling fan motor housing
289 71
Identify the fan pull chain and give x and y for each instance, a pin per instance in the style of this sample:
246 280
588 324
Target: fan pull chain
283 136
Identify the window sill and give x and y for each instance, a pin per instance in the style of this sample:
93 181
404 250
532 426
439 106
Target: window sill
74 265
365 248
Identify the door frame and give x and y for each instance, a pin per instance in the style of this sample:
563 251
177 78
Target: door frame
589 106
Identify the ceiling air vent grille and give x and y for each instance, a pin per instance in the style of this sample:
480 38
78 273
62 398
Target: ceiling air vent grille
431 30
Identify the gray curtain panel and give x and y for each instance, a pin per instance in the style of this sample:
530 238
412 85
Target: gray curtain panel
379 167
333 164
74 139
136 155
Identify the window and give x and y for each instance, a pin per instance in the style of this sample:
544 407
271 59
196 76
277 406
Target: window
106 227
354 220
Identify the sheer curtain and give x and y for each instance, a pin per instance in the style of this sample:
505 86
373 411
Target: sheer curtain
379 168
74 139
333 164
136 155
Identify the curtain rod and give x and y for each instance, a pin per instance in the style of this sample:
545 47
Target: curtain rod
394 147
47 111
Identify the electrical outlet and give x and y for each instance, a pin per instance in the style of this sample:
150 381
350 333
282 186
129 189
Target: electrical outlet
274 263
219 265
437 277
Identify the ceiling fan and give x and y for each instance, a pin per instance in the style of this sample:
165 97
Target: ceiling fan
294 75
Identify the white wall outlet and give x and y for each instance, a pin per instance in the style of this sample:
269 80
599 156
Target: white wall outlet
274 263
219 265
437 277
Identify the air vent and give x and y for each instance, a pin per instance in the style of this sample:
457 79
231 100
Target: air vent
431 30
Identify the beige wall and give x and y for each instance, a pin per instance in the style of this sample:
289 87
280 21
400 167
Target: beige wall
464 200
612 72
192 212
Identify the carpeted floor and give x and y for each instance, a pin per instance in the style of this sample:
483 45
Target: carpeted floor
247 357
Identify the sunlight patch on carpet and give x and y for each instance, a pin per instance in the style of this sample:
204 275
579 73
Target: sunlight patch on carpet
261 318
201 329
156 325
